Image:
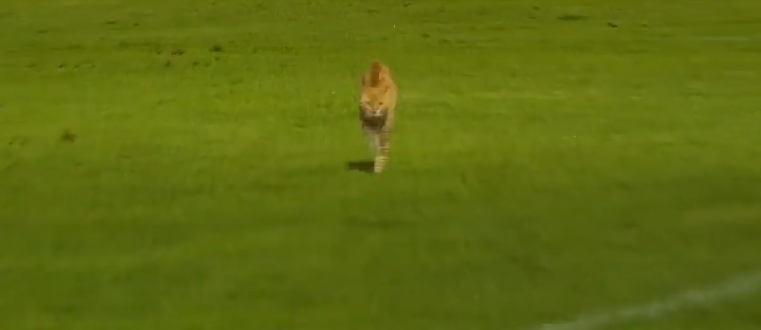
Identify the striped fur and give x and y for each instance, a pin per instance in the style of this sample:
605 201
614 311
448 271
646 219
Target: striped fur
376 112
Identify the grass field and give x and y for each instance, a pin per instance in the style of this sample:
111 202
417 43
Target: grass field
551 158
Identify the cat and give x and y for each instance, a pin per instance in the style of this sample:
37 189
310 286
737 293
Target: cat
377 107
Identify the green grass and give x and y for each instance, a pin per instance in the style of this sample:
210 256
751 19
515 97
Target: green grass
541 167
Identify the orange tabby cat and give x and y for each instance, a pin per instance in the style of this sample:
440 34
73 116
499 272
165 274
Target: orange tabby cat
376 111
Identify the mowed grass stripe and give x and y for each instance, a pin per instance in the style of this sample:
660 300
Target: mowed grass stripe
542 167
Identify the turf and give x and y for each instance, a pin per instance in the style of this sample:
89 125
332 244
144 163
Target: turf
182 164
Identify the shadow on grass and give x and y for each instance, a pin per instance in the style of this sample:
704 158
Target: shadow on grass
365 166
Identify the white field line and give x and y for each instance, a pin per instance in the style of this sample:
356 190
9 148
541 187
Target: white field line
735 288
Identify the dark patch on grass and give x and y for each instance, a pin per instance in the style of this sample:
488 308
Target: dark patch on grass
68 136
195 63
464 178
573 17
43 31
60 66
628 225
135 24
216 48
425 35
18 140
110 22
613 25
168 63
178 52
364 166
407 4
